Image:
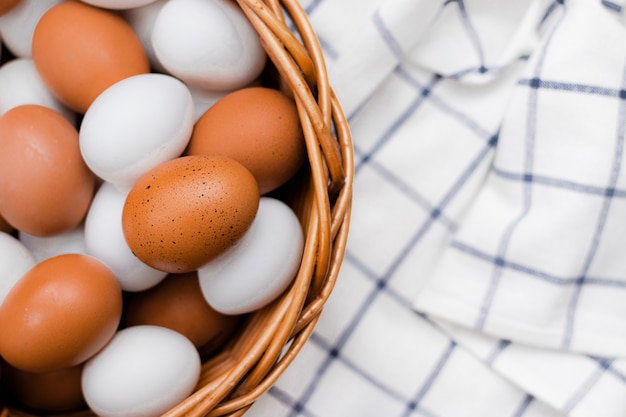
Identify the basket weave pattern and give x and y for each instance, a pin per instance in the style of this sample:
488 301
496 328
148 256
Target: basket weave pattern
235 377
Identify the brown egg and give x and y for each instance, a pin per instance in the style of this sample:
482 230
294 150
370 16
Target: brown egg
80 50
177 303
45 186
257 126
59 314
7 5
188 210
48 392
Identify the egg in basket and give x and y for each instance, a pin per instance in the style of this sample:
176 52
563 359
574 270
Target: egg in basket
175 193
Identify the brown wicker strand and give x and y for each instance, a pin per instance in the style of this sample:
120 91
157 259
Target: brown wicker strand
304 28
297 294
314 308
272 376
343 202
293 76
286 37
321 203
207 397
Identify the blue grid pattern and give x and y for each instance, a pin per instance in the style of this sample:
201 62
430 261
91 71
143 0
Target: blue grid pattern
432 137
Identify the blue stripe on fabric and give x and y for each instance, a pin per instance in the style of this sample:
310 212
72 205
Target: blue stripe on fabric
560 183
573 87
473 35
606 205
523 407
441 105
584 389
551 9
334 352
527 189
328 49
612 6
365 376
399 122
533 273
399 298
497 351
607 364
312 6
417 198
286 399
386 35
492 70
432 377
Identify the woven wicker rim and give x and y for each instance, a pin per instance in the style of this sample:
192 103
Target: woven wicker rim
233 379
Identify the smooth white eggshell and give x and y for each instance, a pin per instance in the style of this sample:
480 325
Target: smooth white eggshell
20 83
44 247
142 372
141 19
15 261
118 4
260 266
135 125
17 26
208 43
104 239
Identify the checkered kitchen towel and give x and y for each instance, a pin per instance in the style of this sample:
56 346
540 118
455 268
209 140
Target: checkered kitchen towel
485 274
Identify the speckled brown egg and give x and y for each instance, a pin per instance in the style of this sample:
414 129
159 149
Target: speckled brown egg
257 126
188 210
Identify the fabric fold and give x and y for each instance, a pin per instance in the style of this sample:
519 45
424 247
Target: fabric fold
539 257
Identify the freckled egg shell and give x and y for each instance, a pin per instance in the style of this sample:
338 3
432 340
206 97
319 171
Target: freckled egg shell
62 311
80 50
177 303
45 186
188 210
257 126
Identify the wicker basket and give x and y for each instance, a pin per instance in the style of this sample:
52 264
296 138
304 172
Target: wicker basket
236 376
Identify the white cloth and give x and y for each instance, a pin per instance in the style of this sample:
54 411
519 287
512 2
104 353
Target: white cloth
485 274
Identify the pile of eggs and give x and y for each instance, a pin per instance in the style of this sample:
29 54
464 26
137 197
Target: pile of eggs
142 158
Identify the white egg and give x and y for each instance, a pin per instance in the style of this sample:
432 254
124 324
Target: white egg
44 247
135 125
142 372
260 266
141 19
15 261
208 43
104 239
17 26
118 4
20 83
